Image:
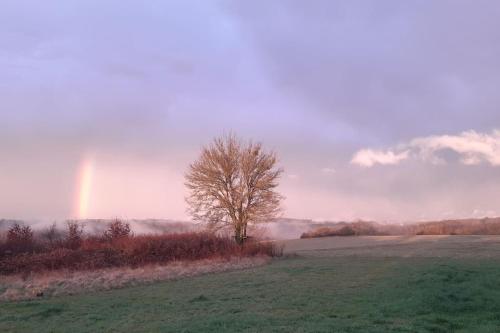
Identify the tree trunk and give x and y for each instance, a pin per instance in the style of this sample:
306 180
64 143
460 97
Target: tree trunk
238 234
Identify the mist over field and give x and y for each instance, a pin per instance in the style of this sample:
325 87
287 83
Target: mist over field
287 228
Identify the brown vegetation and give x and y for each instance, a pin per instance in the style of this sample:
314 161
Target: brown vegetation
20 239
21 252
345 229
486 226
64 282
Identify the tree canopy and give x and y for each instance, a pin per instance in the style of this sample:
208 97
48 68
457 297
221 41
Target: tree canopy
234 184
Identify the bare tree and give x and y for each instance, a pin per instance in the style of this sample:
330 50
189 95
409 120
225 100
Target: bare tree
51 234
74 237
233 184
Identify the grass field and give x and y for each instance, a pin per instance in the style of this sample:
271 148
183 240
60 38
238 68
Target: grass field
366 284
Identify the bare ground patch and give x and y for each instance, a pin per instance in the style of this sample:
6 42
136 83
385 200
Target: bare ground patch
22 287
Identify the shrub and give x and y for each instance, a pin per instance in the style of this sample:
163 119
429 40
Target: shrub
3 245
99 252
19 239
51 235
359 228
116 230
74 236
346 231
329 232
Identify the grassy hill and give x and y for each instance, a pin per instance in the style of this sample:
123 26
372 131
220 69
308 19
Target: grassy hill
326 288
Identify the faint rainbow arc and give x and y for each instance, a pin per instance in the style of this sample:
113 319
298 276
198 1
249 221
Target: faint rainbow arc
85 179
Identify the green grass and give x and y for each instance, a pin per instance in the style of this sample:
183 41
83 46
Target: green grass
347 294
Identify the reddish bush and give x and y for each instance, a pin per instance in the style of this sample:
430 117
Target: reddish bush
99 252
253 248
75 235
329 232
116 230
51 235
346 231
19 239
360 228
485 226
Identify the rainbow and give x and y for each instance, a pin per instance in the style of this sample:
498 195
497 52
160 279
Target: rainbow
84 187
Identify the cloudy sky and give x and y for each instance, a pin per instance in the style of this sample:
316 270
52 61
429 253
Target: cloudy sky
384 110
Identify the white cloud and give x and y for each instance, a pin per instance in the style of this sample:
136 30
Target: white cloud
328 171
368 157
474 148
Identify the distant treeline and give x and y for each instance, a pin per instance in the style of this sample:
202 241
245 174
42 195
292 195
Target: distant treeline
485 226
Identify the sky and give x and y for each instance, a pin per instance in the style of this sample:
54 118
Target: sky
385 110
